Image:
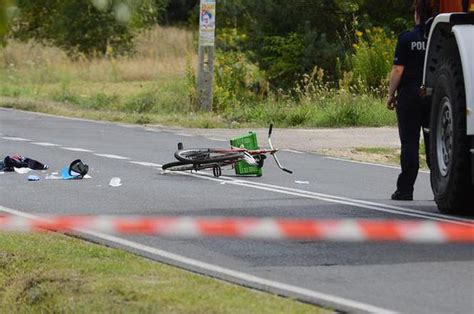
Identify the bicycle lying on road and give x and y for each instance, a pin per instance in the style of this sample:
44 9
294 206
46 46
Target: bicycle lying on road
215 158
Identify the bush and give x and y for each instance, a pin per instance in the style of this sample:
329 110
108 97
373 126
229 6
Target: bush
102 101
282 57
372 60
142 103
237 80
90 28
5 6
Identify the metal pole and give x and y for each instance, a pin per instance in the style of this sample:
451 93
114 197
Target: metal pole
207 27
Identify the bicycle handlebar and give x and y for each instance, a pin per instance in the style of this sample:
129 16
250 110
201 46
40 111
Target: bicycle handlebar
270 130
276 150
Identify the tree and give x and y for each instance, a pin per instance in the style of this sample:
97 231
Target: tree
289 38
90 28
179 11
4 7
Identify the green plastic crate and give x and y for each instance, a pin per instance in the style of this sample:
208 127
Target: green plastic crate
248 141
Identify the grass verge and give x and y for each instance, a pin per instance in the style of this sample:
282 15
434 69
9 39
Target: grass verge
53 273
157 86
379 155
332 114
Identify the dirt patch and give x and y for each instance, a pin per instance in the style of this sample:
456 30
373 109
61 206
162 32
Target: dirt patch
6 258
383 156
37 287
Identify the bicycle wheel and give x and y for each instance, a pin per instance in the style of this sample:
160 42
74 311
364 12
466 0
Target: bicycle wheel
207 155
178 166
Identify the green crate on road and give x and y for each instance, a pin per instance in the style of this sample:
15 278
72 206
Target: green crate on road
248 141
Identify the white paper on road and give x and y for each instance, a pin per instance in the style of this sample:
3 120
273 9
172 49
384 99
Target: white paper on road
115 182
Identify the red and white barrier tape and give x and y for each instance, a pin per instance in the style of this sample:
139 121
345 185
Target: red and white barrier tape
253 228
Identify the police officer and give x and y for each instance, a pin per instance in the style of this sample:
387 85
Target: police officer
412 110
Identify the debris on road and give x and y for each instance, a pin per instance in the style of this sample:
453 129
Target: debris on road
301 182
16 161
76 170
33 178
115 182
53 176
21 170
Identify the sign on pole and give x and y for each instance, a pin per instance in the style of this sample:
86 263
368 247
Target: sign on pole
207 35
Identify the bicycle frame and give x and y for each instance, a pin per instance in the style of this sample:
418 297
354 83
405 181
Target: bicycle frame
216 165
272 151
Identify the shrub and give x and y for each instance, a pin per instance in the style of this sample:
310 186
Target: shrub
282 57
142 103
102 101
65 95
5 6
237 80
90 28
372 59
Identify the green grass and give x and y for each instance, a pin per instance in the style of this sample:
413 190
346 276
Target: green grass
53 273
155 108
336 110
156 89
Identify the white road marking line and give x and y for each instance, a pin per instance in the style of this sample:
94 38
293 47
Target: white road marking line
292 151
145 164
301 182
217 139
112 156
368 163
74 149
46 144
184 134
17 139
333 199
203 266
398 208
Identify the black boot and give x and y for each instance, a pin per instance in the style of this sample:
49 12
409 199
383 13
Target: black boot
398 196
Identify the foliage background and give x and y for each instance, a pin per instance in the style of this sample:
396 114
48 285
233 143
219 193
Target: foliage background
277 60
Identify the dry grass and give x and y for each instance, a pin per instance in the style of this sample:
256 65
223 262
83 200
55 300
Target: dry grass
156 81
160 53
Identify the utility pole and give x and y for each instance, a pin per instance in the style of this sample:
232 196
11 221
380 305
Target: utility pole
207 31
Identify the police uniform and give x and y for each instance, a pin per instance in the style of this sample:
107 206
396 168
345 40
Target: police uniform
412 110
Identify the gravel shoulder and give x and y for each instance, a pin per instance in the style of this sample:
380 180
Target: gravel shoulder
311 140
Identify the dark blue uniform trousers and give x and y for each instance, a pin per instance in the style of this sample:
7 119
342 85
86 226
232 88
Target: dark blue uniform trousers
413 114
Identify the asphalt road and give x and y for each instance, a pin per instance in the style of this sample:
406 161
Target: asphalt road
364 277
